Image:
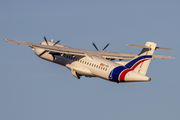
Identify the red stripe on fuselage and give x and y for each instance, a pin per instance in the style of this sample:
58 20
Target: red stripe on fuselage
135 65
123 73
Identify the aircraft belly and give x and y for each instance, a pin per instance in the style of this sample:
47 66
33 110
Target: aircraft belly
60 60
79 69
100 73
84 71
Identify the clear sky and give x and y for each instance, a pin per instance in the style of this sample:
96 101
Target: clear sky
35 89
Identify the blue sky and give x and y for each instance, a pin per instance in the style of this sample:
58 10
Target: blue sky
31 88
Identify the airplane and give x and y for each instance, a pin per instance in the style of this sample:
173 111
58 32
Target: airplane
102 64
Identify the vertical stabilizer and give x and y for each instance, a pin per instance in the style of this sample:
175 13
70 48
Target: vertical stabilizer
141 62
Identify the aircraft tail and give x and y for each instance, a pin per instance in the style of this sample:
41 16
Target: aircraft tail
141 62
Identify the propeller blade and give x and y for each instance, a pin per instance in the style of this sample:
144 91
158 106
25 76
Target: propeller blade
42 53
105 47
46 40
95 46
56 42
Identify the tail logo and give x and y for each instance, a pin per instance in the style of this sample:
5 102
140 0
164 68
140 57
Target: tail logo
119 73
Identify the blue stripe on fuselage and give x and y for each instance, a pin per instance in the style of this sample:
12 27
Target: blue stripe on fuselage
131 63
114 75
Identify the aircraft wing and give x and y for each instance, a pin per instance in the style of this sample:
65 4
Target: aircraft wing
81 52
50 48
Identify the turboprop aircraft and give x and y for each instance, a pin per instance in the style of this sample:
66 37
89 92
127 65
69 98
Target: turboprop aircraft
90 63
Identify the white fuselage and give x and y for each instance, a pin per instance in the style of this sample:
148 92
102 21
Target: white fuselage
93 66
91 63
85 66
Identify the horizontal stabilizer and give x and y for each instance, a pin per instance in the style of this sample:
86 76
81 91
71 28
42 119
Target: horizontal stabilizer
164 48
163 56
144 46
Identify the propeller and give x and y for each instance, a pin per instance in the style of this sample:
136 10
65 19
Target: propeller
97 48
48 45
46 40
105 47
56 42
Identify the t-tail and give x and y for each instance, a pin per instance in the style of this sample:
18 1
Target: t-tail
135 70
